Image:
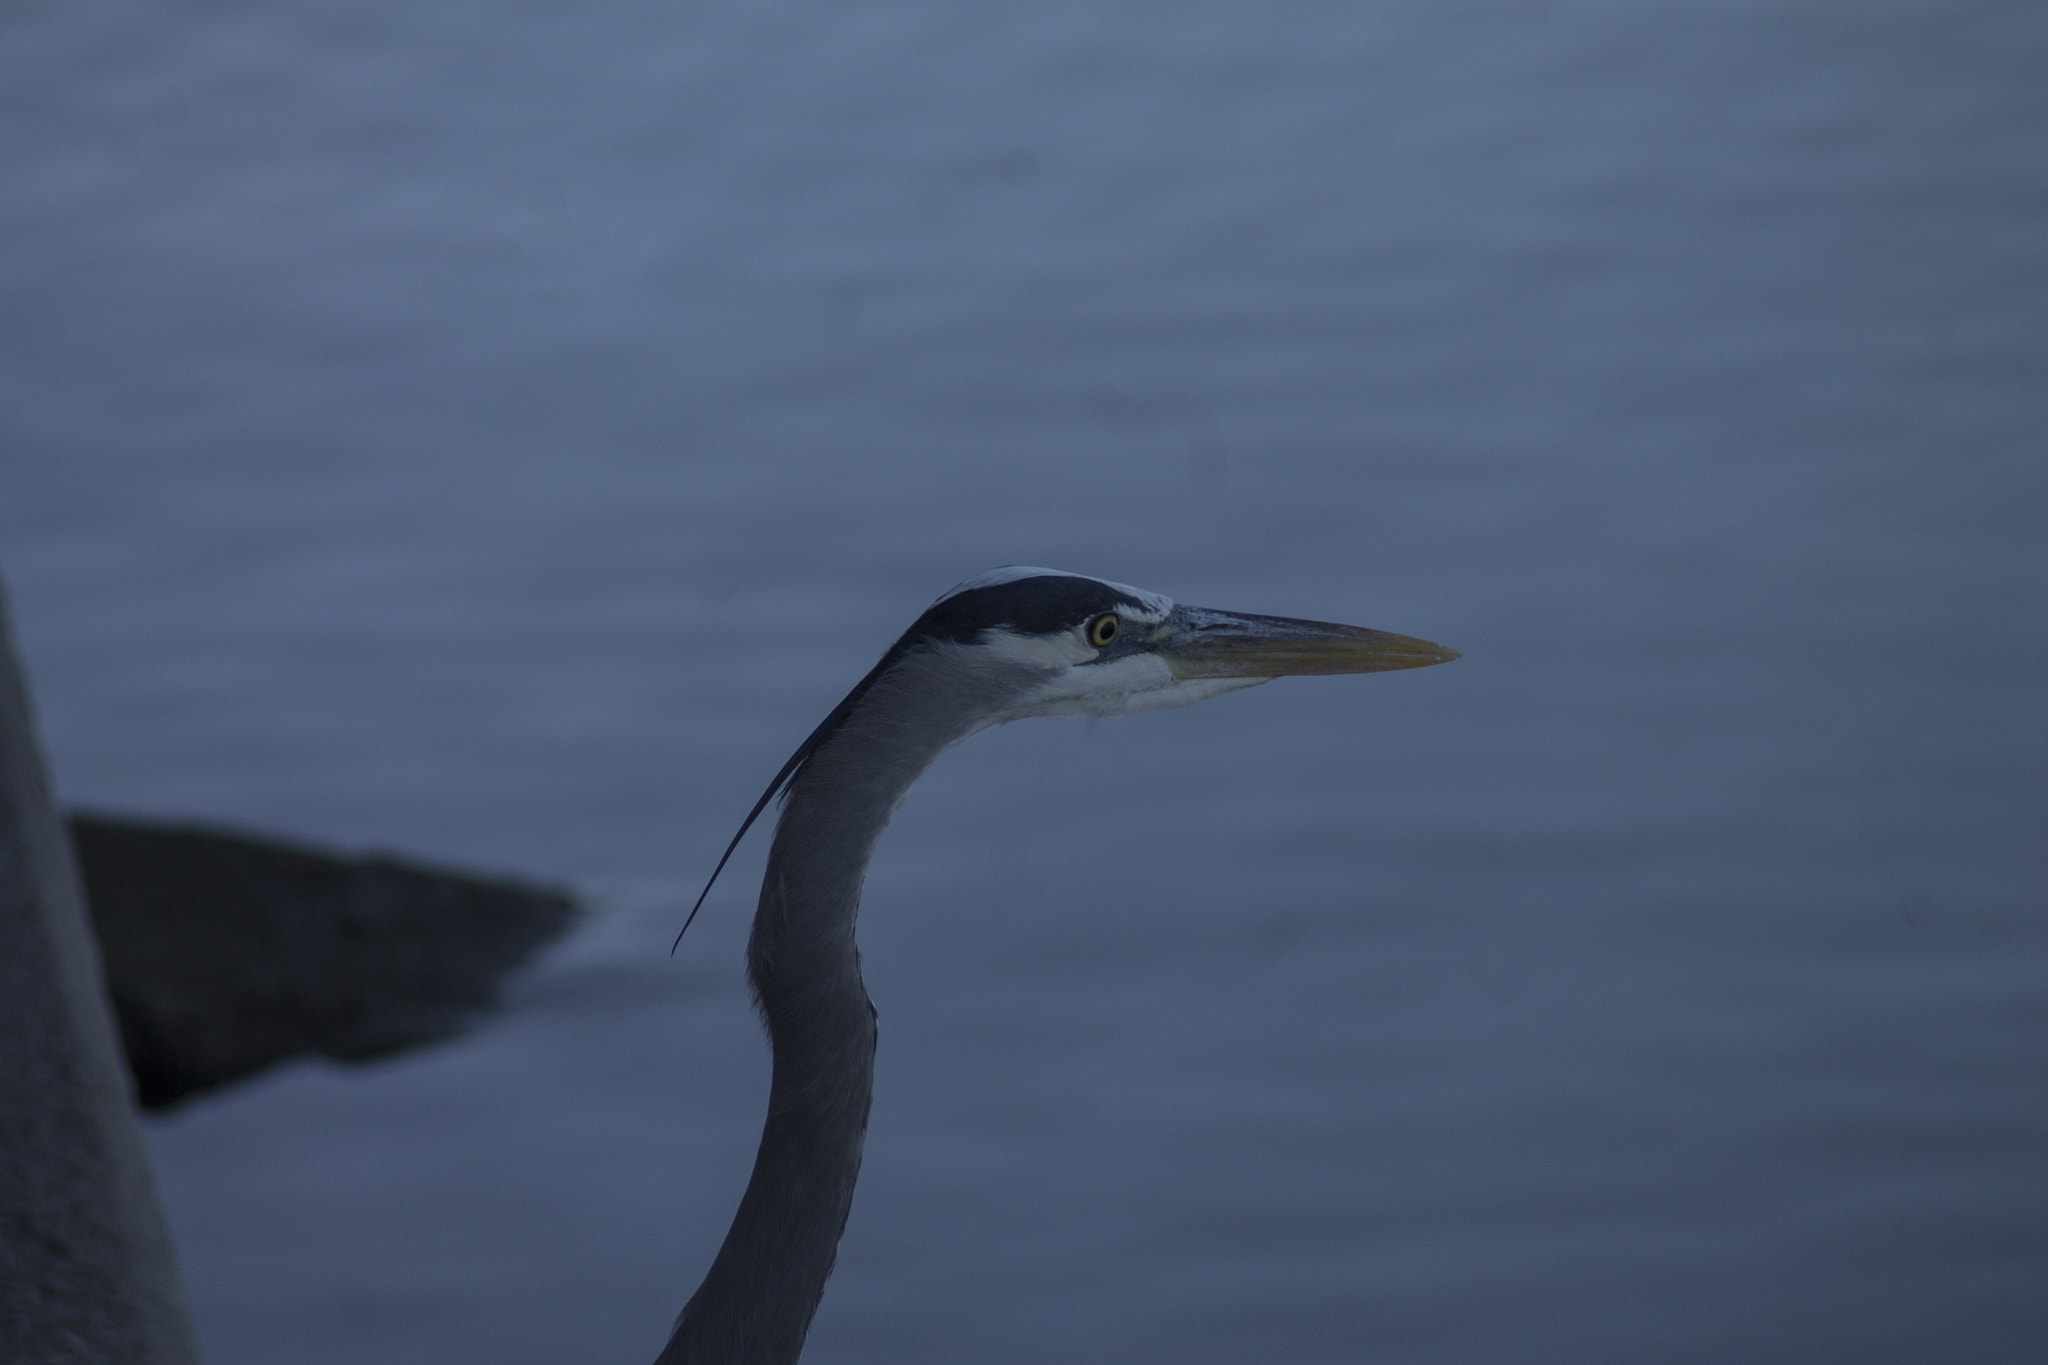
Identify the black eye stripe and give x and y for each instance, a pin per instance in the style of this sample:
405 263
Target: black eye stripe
1028 606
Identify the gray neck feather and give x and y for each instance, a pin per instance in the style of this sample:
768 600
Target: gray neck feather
755 1305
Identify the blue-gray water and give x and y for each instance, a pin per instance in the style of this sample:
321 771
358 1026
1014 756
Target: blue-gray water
500 431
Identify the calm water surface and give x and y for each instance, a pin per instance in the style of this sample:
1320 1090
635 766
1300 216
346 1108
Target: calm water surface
499 432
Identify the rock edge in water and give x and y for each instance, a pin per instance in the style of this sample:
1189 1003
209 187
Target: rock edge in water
227 953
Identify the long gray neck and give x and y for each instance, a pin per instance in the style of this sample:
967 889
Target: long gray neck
755 1305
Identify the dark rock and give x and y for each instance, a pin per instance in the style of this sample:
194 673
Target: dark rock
227 954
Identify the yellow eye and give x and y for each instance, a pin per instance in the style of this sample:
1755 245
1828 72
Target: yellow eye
1102 629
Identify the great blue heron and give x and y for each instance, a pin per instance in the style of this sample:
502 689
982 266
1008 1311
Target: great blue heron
1012 643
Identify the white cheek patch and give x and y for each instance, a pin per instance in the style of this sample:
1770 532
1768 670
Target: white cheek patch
1061 651
1137 682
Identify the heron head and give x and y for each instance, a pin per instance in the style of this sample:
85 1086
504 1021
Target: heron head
1024 641
1087 646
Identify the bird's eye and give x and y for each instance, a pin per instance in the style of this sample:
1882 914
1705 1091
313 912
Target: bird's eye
1102 629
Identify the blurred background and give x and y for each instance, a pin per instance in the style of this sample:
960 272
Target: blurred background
498 433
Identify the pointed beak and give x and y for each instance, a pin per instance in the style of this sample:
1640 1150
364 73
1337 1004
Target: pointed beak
1197 642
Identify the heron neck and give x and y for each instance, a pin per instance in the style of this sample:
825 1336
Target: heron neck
756 1303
